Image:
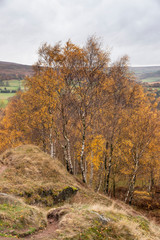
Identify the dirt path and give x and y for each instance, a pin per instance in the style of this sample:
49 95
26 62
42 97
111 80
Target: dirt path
46 234
9 238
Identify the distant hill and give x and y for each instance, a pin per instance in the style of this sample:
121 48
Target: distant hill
147 74
9 71
151 74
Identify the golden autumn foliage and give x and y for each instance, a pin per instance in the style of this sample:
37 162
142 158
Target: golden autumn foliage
90 113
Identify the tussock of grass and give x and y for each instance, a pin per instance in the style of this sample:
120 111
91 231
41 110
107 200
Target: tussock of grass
33 175
17 218
81 223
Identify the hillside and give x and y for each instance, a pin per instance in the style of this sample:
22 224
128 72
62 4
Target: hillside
39 199
9 71
29 173
147 74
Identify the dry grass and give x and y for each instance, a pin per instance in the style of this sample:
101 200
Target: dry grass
19 219
111 209
81 222
77 220
138 225
32 174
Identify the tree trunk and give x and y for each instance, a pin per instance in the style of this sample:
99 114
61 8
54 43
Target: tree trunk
66 158
109 169
69 155
54 148
130 192
105 178
105 167
51 144
99 178
82 150
43 139
132 189
91 171
151 184
67 146
75 165
44 144
114 186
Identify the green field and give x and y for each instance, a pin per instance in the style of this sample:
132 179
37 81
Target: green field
9 85
19 85
13 84
4 99
152 79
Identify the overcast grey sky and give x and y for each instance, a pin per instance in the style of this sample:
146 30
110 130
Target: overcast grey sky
129 27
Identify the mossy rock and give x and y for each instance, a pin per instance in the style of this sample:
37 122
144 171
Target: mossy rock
49 197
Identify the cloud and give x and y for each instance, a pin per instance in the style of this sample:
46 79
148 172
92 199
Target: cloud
2 2
126 26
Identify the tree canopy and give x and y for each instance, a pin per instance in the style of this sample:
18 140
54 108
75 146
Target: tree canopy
88 112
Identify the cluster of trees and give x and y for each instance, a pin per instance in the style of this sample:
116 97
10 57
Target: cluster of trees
154 85
2 83
5 90
9 76
89 113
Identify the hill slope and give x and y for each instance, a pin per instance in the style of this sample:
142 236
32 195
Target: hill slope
30 177
28 172
147 74
10 71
